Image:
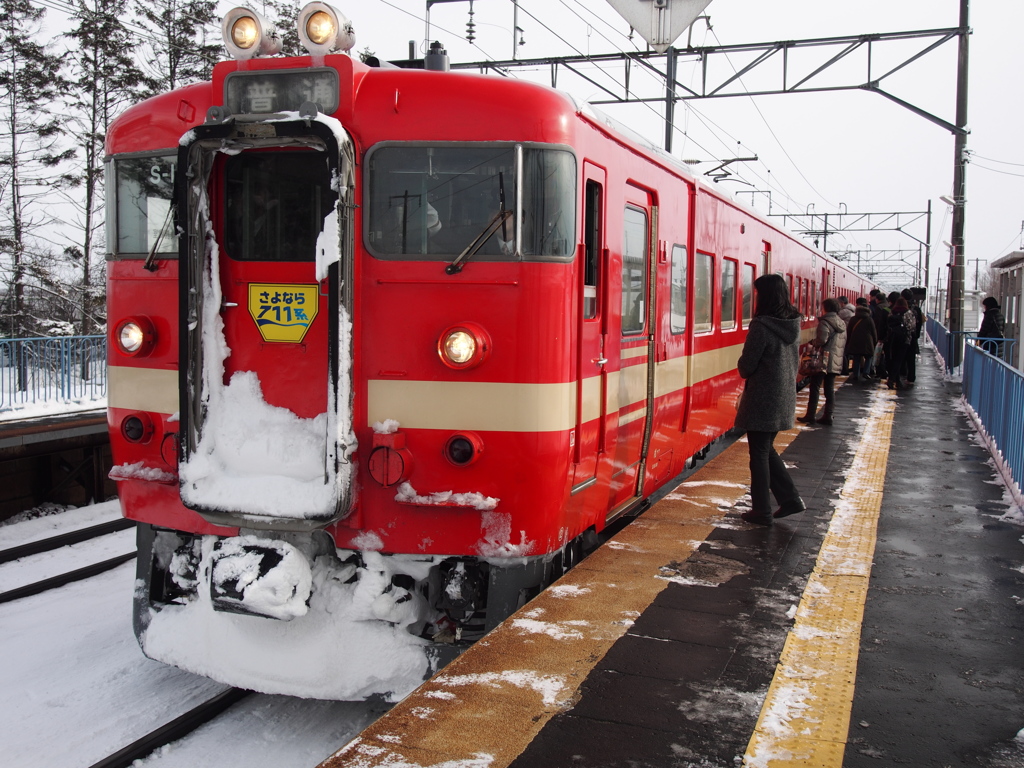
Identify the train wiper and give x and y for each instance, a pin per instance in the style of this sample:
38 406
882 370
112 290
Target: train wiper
499 220
150 262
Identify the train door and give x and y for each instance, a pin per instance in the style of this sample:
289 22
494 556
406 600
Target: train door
632 340
592 430
262 355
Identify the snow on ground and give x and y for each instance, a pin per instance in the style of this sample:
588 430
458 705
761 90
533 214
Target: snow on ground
70 666
60 561
51 519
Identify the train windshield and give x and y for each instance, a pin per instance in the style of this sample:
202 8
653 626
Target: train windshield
439 200
144 188
276 204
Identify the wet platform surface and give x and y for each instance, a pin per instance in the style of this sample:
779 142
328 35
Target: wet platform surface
882 627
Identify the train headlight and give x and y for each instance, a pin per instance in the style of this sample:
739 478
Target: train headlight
463 449
323 30
247 34
137 428
464 346
135 336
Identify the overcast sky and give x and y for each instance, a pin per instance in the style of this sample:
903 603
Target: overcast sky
851 150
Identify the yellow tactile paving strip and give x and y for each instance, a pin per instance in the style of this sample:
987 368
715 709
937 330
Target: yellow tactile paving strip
806 714
485 707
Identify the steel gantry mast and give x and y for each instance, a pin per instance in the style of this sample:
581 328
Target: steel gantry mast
772 62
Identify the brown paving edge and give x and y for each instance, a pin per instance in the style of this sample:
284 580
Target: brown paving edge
485 707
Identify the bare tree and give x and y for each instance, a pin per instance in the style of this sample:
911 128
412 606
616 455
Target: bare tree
104 79
31 155
187 41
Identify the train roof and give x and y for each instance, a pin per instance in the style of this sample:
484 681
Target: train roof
159 122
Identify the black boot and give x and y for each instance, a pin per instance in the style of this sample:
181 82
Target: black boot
812 407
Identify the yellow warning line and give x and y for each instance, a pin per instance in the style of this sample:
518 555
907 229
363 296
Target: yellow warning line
805 719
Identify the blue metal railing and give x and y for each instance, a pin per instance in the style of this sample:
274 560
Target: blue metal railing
950 345
63 369
995 390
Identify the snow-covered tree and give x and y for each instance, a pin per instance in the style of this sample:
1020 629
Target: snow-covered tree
31 157
185 43
105 79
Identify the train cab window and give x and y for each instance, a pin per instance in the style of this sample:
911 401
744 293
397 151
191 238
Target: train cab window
144 188
591 248
679 288
275 205
501 201
703 291
747 288
634 270
728 294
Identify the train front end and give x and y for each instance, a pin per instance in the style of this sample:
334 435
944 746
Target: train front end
259 352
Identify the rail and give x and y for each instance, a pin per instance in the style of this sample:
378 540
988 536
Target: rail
58 370
995 391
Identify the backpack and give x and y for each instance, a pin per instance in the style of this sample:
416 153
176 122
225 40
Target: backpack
897 329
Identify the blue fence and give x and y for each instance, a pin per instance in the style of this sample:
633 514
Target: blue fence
993 389
951 346
61 370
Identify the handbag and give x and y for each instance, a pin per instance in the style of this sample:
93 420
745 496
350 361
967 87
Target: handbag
879 355
816 360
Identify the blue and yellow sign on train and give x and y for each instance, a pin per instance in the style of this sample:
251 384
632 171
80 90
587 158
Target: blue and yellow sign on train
282 312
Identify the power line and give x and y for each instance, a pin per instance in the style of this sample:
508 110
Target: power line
996 170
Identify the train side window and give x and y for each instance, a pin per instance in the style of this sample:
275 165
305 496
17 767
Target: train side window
793 297
634 270
728 294
703 291
766 257
747 286
144 188
678 298
592 249
549 203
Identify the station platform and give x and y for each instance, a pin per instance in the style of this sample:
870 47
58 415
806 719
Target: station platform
882 627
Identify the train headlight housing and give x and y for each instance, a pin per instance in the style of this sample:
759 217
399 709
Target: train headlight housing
137 428
464 346
463 449
135 336
323 30
247 34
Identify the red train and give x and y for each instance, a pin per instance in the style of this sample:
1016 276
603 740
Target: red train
390 347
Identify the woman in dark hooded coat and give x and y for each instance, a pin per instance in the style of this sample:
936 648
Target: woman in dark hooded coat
769 363
992 325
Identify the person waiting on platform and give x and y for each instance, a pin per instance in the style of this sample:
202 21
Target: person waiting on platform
910 366
861 338
768 364
901 327
831 337
992 324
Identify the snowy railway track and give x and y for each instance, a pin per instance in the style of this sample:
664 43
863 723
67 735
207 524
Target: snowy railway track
52 543
174 730
65 578
64 539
